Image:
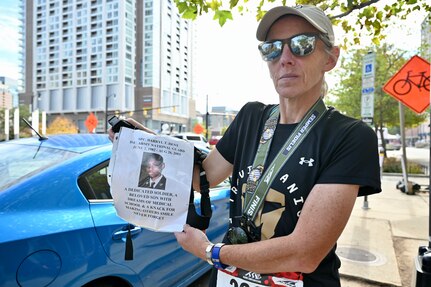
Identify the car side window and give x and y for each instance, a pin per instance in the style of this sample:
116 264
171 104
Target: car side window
94 184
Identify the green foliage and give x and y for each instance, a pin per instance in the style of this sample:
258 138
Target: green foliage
347 93
223 130
369 20
393 165
62 125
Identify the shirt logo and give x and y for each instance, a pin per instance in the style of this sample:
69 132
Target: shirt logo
252 275
307 161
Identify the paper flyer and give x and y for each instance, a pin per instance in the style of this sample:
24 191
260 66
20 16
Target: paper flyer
150 177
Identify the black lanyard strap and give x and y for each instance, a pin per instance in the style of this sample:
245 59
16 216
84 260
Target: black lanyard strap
256 189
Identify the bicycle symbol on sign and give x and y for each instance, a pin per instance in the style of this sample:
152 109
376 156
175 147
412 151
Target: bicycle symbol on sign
403 86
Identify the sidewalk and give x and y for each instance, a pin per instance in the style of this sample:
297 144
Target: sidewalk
379 244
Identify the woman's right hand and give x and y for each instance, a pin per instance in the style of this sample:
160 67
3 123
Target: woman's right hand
136 124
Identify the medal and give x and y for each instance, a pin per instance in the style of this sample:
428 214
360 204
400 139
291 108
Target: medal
266 135
255 174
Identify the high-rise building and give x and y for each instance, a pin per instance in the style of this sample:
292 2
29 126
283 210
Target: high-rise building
426 37
8 93
107 57
164 66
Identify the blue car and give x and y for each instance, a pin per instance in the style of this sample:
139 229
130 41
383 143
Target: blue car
59 226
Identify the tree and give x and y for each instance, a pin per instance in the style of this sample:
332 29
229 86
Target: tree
369 19
62 125
347 94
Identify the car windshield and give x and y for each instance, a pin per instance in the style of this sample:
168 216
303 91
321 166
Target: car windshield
20 161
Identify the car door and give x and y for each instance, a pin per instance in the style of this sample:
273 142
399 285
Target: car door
157 257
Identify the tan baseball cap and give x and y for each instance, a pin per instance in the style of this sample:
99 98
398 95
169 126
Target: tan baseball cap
314 15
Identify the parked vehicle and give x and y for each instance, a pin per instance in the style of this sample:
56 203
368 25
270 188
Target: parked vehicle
59 226
198 140
392 142
214 140
422 144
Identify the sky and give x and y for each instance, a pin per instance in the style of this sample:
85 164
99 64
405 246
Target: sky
230 71
9 38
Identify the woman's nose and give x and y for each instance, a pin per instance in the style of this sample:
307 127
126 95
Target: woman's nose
287 58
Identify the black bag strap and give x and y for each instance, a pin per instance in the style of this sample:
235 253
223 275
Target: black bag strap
201 221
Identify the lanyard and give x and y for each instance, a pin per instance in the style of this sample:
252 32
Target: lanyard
256 189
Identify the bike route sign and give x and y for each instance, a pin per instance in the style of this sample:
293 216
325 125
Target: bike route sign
411 84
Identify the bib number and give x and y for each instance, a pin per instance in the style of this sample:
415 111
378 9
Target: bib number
234 277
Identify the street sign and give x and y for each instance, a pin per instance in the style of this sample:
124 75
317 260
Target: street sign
368 90
91 123
367 106
368 73
368 65
411 84
368 120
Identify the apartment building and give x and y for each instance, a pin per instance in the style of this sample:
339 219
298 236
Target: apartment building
8 93
127 57
426 37
164 68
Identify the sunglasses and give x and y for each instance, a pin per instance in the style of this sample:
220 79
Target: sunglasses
300 45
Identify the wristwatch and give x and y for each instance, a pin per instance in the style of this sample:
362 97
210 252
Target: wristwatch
208 252
215 256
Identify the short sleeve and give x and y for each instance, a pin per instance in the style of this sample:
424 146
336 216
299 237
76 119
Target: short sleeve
355 160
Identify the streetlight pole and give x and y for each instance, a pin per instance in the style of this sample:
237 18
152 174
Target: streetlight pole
106 110
206 121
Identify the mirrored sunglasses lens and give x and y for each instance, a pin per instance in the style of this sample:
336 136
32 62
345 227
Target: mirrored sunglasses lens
302 45
271 50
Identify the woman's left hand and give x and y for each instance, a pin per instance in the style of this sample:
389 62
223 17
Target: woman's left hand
193 240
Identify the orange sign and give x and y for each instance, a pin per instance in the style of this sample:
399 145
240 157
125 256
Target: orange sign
198 129
91 123
411 84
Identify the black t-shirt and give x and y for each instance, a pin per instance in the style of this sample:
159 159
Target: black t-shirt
338 149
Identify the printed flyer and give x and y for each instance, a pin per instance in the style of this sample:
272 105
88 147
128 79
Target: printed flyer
150 178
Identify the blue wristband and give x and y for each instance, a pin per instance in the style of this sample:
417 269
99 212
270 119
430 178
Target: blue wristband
215 256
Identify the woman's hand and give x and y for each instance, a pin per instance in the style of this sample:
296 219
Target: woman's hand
193 240
136 124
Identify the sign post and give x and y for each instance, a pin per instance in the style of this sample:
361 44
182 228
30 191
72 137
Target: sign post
411 86
367 99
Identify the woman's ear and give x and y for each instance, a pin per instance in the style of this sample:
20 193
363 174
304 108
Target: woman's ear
332 58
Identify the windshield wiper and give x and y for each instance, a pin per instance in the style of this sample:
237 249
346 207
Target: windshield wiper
41 138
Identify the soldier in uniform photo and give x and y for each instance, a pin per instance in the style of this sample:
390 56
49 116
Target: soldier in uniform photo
151 172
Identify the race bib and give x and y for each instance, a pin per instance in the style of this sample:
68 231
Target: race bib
236 277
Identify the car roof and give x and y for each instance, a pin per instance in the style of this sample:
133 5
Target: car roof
78 143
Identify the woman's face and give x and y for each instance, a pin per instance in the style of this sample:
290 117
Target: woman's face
295 76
